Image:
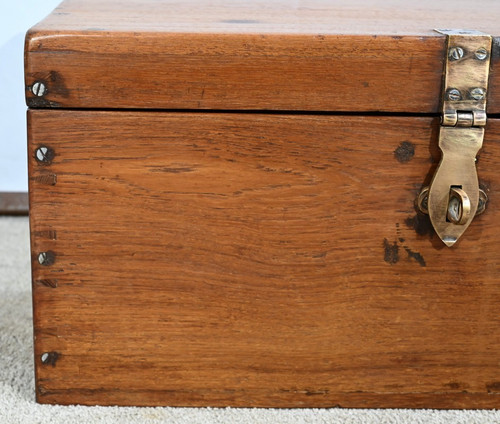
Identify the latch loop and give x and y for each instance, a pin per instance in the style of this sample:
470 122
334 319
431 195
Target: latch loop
454 191
459 207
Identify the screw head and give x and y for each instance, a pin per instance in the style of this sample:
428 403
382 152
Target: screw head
423 200
477 93
454 94
456 53
49 358
481 54
38 89
483 200
46 258
44 154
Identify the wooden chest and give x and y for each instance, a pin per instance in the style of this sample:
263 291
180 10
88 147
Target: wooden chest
227 204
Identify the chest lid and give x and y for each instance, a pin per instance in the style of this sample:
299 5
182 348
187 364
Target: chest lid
314 55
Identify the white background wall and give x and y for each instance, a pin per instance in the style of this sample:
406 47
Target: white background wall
16 17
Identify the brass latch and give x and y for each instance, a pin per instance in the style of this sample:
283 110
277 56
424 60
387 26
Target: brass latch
453 195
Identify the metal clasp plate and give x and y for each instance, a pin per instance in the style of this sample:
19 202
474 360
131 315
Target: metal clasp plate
454 191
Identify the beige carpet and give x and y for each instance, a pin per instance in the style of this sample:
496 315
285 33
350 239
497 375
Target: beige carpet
17 400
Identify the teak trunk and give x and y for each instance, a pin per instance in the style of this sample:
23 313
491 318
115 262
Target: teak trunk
202 250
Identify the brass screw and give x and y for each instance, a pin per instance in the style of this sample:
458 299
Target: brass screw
481 205
477 93
481 54
456 53
423 200
38 89
454 94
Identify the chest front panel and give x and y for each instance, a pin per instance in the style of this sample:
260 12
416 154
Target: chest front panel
253 259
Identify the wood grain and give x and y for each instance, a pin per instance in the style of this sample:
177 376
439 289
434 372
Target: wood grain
342 17
257 260
274 55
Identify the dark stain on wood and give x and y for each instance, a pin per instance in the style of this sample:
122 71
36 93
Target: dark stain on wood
38 102
493 387
454 385
55 83
47 179
485 186
421 223
415 255
49 234
405 152
316 392
391 252
47 283
173 170
307 392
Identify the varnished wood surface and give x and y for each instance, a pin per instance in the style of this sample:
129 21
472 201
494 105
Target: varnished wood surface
257 260
341 17
273 55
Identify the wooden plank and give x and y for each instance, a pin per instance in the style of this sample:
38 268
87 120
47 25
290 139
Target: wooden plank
273 55
257 260
14 203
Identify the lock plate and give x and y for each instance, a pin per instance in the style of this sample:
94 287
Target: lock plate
454 191
457 169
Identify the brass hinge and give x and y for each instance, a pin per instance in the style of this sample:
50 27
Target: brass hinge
453 194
